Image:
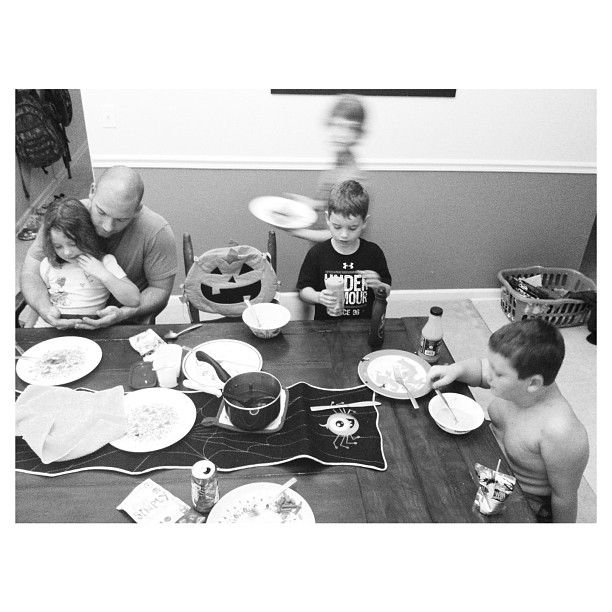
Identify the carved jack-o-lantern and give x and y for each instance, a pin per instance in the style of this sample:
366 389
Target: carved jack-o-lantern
220 278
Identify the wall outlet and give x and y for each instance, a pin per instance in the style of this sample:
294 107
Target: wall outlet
108 116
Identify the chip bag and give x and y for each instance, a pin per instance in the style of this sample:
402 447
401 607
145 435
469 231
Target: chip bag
151 503
493 492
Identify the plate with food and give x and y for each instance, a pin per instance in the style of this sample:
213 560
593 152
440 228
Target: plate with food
234 356
58 361
157 418
283 212
376 371
240 504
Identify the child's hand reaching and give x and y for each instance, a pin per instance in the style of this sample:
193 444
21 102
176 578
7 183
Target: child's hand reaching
372 279
442 375
92 266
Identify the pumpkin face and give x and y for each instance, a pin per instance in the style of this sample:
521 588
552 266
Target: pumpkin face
220 278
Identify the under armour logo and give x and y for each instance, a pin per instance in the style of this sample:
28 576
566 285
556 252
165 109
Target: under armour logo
348 265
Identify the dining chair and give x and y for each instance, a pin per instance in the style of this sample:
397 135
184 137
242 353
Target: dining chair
20 305
189 259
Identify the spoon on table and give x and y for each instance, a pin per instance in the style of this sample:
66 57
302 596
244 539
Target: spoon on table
252 310
171 335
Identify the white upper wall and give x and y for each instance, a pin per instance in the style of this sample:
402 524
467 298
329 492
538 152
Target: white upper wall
514 126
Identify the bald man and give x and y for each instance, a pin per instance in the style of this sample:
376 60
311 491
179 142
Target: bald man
141 240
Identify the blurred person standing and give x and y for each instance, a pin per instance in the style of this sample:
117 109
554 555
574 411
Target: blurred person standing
345 125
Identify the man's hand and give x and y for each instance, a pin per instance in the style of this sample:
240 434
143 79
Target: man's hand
52 316
111 315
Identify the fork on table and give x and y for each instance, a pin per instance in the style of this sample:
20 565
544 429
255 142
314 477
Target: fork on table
398 377
261 507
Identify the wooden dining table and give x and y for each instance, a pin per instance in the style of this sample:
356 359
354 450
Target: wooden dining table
430 474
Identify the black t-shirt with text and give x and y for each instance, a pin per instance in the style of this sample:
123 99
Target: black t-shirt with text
323 261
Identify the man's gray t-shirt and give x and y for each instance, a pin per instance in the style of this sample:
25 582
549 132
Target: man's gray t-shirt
145 249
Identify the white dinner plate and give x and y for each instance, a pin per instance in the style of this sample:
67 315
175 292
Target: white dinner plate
234 356
376 372
161 417
59 361
234 506
283 212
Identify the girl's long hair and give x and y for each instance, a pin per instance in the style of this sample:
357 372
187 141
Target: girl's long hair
70 216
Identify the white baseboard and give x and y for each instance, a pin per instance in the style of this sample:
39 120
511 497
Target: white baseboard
401 302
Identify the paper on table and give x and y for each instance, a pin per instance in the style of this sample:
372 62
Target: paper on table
151 503
61 424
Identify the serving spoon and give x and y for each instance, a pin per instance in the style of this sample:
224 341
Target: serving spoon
171 335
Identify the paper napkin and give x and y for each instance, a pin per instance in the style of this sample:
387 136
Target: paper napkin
61 424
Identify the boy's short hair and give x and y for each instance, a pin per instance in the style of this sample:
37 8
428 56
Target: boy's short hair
349 199
532 346
349 107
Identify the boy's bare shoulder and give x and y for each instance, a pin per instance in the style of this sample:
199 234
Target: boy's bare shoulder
560 424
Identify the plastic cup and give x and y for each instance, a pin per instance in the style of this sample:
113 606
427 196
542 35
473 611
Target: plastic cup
167 364
336 285
167 377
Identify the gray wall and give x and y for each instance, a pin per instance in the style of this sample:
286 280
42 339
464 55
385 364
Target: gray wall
439 230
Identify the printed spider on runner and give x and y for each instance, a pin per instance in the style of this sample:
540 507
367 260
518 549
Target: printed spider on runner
344 425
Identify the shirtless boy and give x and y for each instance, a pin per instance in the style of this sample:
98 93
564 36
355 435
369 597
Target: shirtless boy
545 443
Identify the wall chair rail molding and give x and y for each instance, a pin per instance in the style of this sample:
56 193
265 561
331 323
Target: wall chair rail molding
377 165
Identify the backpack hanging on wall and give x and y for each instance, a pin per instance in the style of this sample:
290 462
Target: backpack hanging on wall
40 138
61 102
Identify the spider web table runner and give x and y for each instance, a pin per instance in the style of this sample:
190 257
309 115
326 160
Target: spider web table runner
337 436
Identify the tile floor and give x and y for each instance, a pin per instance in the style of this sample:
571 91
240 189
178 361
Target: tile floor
467 326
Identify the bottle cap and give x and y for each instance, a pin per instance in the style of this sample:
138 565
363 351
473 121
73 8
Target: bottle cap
381 292
436 311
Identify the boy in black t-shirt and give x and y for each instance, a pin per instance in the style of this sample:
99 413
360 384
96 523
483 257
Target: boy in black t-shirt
360 263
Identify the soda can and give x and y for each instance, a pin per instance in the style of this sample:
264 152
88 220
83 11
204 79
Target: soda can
204 486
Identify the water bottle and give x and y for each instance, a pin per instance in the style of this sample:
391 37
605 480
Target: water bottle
431 336
377 325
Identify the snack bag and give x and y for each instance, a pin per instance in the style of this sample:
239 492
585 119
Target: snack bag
151 503
146 343
492 492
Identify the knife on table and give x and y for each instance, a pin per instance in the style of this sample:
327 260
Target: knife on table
352 405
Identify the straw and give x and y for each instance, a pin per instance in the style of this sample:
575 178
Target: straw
496 472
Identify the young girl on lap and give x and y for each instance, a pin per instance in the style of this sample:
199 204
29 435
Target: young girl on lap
78 276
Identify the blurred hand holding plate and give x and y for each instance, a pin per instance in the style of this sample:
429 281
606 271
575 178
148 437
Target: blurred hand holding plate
283 212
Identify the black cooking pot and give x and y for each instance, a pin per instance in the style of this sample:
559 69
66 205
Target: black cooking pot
252 399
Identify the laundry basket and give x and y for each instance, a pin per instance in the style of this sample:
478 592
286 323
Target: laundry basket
561 312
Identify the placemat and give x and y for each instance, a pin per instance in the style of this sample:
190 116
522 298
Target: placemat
351 437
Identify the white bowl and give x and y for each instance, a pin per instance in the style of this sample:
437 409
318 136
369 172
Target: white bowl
469 414
272 318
